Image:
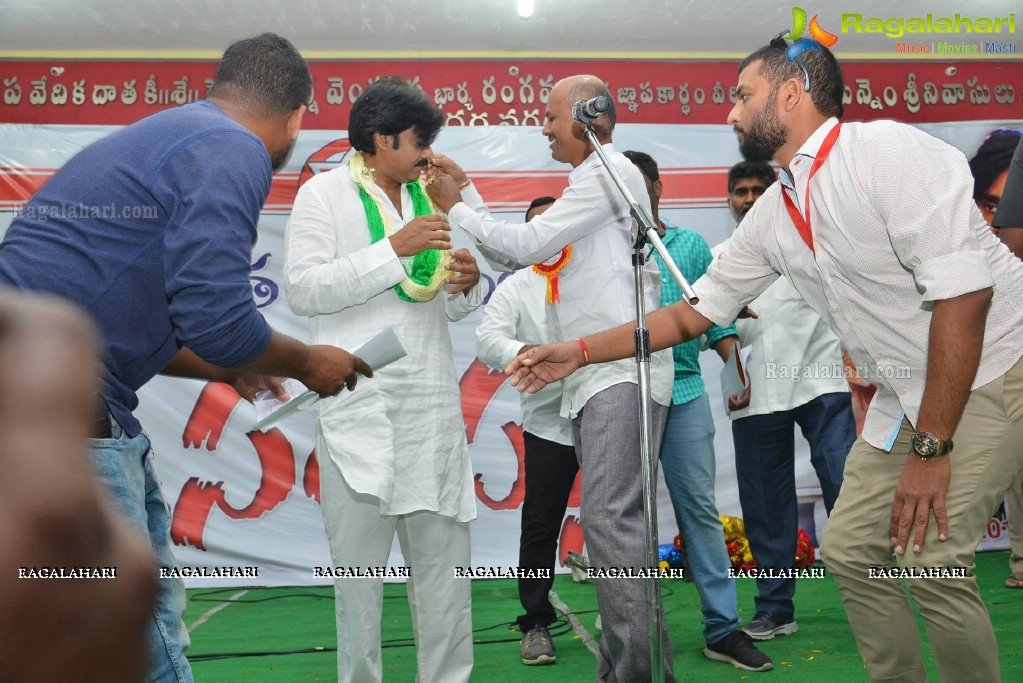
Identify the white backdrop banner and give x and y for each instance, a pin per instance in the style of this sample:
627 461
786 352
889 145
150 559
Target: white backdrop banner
249 499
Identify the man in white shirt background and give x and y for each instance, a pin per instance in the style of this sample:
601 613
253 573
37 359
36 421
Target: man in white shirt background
596 289
364 252
797 378
515 318
923 295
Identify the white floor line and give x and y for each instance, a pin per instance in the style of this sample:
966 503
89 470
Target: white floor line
203 619
577 626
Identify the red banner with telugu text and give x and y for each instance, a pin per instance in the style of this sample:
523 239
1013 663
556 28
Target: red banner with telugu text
507 92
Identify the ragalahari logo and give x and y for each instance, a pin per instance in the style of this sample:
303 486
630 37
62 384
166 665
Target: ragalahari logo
818 38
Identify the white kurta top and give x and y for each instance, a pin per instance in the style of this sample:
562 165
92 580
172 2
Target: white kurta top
399 436
516 315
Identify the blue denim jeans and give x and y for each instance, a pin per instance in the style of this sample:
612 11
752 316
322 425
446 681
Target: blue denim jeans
765 472
125 465
687 459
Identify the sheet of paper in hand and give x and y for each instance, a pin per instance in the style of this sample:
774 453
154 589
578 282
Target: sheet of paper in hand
381 350
734 377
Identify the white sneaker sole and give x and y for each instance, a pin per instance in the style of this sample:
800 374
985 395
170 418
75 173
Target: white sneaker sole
783 630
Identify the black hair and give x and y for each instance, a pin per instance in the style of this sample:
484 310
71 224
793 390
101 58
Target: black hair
826 85
539 202
266 72
588 89
993 157
751 169
645 163
390 106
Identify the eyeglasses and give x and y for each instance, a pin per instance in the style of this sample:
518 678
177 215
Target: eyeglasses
794 52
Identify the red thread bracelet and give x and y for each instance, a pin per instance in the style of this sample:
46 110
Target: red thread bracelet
586 351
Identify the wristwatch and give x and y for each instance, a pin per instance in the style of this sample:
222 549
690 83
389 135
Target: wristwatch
928 446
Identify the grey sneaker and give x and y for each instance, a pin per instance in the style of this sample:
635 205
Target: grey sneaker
766 626
737 649
537 647
578 564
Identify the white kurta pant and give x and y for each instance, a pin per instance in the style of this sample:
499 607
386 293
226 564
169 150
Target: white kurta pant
432 545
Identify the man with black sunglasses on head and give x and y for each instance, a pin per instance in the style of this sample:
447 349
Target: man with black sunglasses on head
922 294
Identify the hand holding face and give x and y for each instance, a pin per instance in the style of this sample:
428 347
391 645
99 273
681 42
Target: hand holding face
444 192
440 164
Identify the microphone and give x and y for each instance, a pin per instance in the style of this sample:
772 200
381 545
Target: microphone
588 111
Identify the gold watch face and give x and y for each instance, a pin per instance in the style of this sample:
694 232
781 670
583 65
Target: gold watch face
925 445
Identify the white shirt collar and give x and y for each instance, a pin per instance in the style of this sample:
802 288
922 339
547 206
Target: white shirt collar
809 149
590 162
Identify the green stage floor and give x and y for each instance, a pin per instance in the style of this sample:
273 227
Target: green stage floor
284 635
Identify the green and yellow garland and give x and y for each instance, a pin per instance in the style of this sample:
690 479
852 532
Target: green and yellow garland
427 272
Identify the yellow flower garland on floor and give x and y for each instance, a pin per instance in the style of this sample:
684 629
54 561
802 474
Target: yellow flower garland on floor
427 272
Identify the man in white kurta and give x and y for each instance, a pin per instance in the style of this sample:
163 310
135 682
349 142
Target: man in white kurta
393 454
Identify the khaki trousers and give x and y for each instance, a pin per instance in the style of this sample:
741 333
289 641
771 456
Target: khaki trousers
1014 511
987 456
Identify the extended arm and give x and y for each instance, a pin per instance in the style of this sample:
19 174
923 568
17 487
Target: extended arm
542 365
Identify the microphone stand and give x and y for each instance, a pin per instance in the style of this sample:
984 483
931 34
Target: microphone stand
643 231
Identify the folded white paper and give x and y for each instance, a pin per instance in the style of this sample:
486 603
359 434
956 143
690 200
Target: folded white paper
734 377
378 352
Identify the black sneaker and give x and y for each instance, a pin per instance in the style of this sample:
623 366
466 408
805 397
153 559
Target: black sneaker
537 647
766 626
737 649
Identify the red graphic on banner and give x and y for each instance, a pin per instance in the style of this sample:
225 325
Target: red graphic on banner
197 499
571 537
311 477
478 387
209 417
517 492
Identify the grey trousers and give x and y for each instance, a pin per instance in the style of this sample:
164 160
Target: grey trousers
607 445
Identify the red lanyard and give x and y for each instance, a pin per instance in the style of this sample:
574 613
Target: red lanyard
803 226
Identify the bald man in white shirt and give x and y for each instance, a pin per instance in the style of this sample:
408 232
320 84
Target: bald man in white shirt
596 289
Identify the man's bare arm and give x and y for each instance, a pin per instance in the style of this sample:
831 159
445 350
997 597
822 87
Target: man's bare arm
322 368
542 365
953 356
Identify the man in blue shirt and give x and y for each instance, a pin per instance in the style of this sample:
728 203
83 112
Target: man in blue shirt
150 230
687 450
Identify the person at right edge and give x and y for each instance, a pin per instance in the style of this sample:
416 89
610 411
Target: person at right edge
1008 219
920 290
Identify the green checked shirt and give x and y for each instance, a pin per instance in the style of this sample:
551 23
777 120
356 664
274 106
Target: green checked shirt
692 256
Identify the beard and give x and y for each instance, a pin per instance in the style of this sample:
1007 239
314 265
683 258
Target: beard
279 158
763 136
